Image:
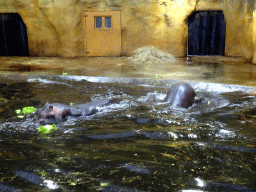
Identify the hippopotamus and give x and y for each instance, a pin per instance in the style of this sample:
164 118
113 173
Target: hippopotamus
53 113
181 95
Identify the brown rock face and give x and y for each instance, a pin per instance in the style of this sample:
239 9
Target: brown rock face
57 28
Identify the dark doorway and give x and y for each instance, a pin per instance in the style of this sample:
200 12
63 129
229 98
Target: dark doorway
13 35
206 33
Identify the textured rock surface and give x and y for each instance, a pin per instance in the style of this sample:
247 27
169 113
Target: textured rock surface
55 27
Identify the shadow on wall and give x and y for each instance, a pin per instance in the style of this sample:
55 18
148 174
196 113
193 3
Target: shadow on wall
13 35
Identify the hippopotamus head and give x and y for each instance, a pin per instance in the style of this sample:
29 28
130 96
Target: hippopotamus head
52 113
181 95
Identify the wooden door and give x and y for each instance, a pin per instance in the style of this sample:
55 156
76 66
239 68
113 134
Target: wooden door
103 33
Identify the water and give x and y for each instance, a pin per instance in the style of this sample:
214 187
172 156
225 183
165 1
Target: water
211 69
138 144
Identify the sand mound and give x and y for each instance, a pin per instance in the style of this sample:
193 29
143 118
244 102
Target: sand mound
150 55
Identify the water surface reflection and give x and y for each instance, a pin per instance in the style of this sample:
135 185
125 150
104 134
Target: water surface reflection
137 144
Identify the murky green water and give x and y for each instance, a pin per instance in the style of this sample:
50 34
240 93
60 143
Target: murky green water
139 144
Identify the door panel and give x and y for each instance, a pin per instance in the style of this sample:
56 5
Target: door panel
103 33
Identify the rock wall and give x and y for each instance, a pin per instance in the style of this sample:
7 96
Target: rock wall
254 37
55 27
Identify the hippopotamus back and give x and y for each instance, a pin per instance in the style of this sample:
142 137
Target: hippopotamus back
181 95
89 108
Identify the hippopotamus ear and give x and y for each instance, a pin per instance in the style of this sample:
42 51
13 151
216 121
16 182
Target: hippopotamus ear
50 108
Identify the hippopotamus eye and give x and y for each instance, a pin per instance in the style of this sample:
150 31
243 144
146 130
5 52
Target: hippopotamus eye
41 116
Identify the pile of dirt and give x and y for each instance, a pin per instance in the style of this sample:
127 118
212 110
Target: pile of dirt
150 55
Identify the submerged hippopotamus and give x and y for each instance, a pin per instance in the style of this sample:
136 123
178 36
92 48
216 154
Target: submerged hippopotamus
181 95
53 113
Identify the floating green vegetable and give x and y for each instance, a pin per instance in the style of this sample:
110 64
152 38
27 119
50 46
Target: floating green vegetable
103 184
46 128
18 111
24 111
64 73
159 76
27 110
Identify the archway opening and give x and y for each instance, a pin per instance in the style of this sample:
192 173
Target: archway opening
206 33
13 35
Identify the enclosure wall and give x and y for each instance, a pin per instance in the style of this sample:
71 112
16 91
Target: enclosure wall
55 28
